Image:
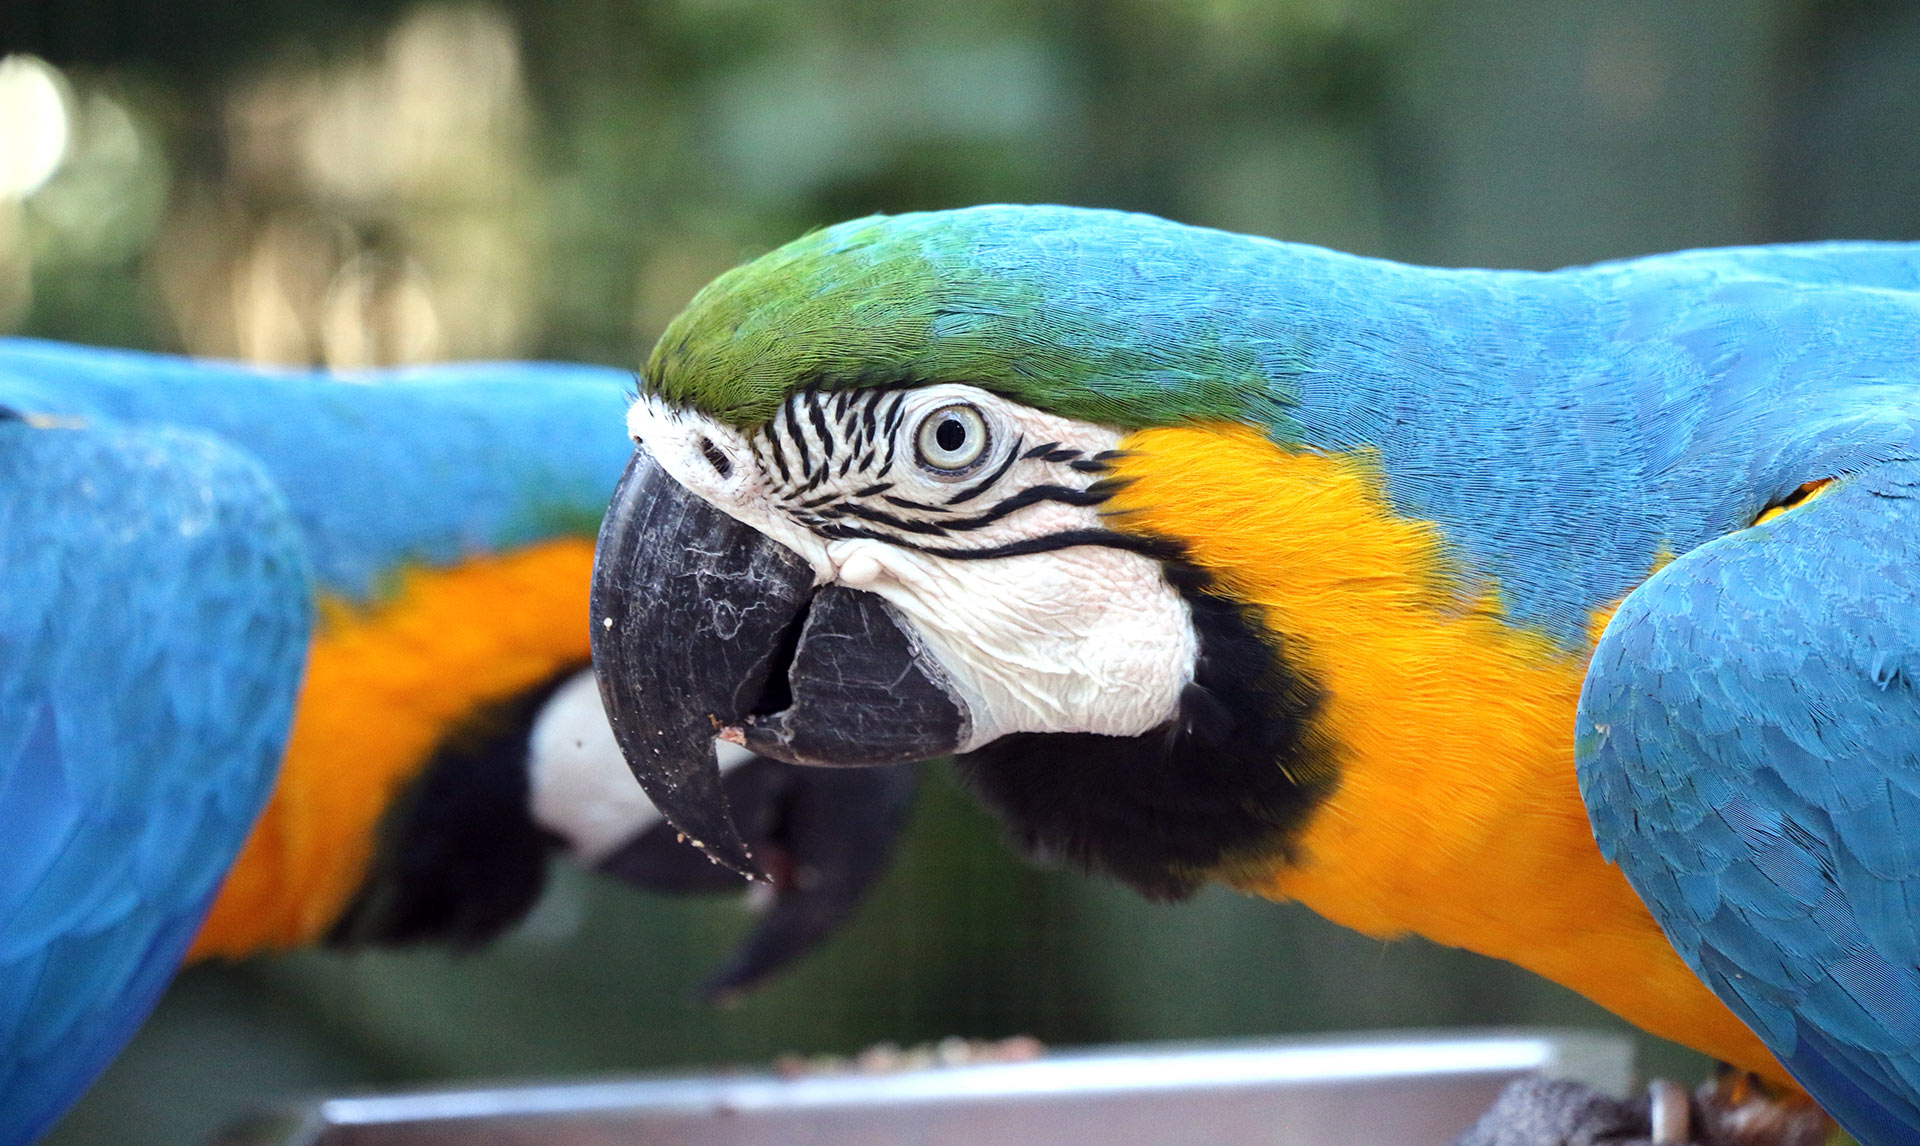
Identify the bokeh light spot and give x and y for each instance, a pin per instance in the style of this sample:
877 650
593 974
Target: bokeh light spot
33 125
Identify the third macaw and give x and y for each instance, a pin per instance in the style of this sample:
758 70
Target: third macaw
307 657
1570 617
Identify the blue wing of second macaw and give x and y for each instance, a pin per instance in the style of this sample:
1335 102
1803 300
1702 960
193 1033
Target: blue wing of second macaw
154 613
423 465
1749 743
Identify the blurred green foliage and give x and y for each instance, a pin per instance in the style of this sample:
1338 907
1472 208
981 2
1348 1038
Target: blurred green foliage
353 181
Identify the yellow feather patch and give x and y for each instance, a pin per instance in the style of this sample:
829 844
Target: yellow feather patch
1458 814
383 686
1795 500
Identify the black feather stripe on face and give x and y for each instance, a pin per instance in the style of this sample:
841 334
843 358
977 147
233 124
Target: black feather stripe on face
1231 781
835 434
458 857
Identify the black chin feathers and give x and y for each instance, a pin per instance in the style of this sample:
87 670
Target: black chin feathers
458 858
1231 779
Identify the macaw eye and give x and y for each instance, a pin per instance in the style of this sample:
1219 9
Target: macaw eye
952 440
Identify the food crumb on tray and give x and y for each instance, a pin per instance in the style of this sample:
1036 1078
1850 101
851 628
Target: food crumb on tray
890 1058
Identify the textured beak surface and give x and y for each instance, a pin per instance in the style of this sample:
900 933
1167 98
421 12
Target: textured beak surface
863 692
704 626
689 609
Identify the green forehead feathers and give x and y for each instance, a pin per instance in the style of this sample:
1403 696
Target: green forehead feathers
981 297
825 305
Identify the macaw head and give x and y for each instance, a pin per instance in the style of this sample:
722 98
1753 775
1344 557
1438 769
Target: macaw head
880 512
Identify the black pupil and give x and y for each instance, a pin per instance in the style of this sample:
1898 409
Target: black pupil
950 434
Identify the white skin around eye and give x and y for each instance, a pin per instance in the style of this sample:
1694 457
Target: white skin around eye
1086 638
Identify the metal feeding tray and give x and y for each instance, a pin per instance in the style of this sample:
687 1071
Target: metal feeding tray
1387 1090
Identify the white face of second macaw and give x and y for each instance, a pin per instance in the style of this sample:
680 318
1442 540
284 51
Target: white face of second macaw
579 786
975 518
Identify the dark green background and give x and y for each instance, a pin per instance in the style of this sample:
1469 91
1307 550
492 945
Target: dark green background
656 143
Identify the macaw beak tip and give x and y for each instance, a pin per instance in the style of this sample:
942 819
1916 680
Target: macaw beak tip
699 810
824 835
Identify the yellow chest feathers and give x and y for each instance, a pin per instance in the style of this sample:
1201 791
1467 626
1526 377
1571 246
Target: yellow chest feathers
384 684
1457 813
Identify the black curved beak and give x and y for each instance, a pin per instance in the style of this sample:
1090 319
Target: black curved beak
824 836
702 626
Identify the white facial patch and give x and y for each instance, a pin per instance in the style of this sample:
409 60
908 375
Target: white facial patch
991 545
581 788
1086 639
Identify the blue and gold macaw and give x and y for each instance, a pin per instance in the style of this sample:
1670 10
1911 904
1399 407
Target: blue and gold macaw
306 658
1567 617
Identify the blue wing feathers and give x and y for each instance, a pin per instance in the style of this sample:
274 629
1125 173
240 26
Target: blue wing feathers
1846 1079
152 633
44 1083
1750 759
38 816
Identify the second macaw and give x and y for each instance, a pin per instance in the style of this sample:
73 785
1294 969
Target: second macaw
1571 617
306 657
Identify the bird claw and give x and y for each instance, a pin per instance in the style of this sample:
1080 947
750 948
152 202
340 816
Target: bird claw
1738 1109
1669 1116
1733 1110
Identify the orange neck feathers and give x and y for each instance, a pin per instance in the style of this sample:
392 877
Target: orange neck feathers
1457 815
383 685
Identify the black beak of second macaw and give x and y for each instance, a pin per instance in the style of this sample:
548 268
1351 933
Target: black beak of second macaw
823 836
702 626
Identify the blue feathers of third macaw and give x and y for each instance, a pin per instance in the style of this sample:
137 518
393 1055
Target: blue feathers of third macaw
152 628
164 527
